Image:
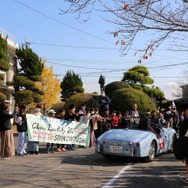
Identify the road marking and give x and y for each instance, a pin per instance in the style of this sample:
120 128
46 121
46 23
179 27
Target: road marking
118 175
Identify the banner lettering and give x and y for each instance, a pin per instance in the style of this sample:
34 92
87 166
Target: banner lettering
57 131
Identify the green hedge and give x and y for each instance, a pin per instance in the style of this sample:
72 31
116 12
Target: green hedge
2 76
78 99
4 65
2 97
113 86
123 99
24 97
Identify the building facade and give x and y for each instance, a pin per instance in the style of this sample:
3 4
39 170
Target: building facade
8 75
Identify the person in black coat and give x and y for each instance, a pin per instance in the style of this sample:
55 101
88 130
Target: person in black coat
104 102
7 140
183 134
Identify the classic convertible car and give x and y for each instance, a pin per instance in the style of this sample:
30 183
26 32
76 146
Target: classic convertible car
135 143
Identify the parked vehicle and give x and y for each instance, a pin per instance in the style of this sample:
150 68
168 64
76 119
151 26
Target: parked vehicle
135 143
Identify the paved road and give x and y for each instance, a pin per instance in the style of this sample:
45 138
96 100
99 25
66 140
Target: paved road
84 169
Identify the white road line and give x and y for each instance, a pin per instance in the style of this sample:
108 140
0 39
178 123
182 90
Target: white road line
118 175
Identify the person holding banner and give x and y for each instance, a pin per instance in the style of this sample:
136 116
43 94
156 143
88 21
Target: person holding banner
71 116
21 122
50 146
61 115
7 140
90 119
33 147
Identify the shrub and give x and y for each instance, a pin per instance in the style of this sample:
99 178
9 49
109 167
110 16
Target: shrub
113 86
4 65
35 78
2 76
78 99
57 106
24 97
37 98
20 80
2 97
4 62
123 99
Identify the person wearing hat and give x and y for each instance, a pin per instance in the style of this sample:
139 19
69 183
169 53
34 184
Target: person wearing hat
7 140
21 122
33 146
50 146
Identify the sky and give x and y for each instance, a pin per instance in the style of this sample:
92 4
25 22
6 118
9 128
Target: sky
88 48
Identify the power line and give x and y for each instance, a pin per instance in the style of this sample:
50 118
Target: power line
118 70
72 46
169 65
96 76
75 66
53 19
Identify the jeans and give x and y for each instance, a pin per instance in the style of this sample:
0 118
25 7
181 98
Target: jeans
22 142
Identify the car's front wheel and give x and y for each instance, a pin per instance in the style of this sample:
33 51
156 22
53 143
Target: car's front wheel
152 151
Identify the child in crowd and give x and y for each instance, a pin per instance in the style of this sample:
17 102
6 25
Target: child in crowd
114 119
71 116
81 111
119 115
106 123
126 121
21 122
50 146
61 115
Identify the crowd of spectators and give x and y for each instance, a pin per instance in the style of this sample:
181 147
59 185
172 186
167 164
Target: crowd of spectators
99 119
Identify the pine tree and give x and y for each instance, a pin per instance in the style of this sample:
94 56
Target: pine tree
139 78
4 63
29 72
70 85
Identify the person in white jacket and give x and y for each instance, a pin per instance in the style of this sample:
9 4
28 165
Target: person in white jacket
90 120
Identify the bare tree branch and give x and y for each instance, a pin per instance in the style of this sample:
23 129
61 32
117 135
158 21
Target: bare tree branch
165 18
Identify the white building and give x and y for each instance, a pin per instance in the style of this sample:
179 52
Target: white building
8 76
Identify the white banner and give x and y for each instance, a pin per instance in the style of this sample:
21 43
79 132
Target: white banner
52 130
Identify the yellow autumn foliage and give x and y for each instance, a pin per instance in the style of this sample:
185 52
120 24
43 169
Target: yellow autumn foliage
50 84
